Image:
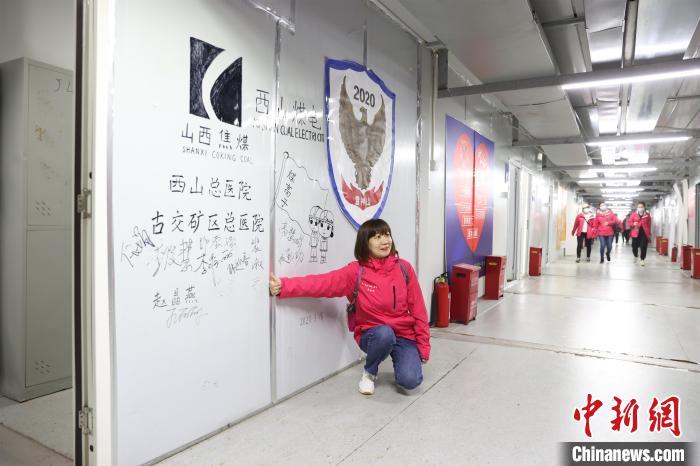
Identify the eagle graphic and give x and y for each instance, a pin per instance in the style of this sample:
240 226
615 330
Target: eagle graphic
364 143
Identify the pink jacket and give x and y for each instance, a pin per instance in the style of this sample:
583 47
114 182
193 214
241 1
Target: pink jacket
604 222
644 221
578 226
383 298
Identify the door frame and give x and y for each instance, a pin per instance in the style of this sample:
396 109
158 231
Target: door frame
513 208
84 383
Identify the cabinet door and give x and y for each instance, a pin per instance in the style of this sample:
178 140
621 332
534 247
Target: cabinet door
49 307
49 146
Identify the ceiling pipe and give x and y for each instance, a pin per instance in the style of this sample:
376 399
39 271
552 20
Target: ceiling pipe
671 66
693 134
629 37
565 22
659 166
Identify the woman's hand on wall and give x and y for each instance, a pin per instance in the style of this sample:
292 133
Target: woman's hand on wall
275 285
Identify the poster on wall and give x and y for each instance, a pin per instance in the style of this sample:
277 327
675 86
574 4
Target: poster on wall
691 202
561 216
360 125
468 199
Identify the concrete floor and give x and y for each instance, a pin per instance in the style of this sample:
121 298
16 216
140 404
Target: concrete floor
503 389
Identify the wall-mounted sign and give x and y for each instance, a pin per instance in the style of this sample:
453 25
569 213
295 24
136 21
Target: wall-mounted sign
360 127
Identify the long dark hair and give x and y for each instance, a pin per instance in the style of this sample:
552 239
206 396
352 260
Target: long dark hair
367 230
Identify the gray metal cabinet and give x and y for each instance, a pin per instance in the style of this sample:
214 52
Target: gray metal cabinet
36 182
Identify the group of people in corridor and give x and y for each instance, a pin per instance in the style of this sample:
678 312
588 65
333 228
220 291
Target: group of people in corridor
604 225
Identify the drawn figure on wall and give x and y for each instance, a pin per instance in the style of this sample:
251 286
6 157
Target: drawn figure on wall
325 230
314 220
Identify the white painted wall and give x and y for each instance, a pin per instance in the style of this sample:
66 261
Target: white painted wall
43 30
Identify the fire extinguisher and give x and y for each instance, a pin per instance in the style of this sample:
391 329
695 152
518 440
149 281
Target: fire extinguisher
442 290
433 299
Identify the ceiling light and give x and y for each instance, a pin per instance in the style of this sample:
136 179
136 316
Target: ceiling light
633 79
623 169
623 182
609 182
648 140
608 155
621 190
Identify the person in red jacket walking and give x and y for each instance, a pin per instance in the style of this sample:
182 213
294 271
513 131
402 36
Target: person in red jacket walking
604 225
583 231
640 221
391 319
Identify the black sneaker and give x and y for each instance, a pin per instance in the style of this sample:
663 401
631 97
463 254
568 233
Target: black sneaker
607 254
601 259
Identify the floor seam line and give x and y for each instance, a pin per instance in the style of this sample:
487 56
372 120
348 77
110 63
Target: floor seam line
407 406
571 351
545 274
600 299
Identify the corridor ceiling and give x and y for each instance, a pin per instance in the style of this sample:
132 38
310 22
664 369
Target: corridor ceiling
509 40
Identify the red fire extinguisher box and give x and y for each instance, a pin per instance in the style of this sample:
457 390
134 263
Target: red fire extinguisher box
695 272
686 255
464 292
674 254
663 243
495 276
535 262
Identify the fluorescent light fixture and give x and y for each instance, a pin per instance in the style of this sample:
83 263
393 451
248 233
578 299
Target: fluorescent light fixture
621 190
609 182
647 140
615 174
608 154
633 79
622 169
624 183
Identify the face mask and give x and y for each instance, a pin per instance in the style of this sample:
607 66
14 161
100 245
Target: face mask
603 208
640 210
586 210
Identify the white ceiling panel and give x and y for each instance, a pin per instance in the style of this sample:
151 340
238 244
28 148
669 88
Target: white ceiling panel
567 154
496 39
606 45
553 116
647 100
665 27
604 14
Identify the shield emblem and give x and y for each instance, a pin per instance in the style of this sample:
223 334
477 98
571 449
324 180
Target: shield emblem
360 143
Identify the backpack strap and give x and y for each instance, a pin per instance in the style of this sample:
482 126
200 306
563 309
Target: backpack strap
357 286
403 271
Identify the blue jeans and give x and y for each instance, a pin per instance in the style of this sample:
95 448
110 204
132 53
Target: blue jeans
379 342
605 242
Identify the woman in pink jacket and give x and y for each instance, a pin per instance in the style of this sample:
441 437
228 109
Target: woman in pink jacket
640 221
391 319
583 231
604 224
